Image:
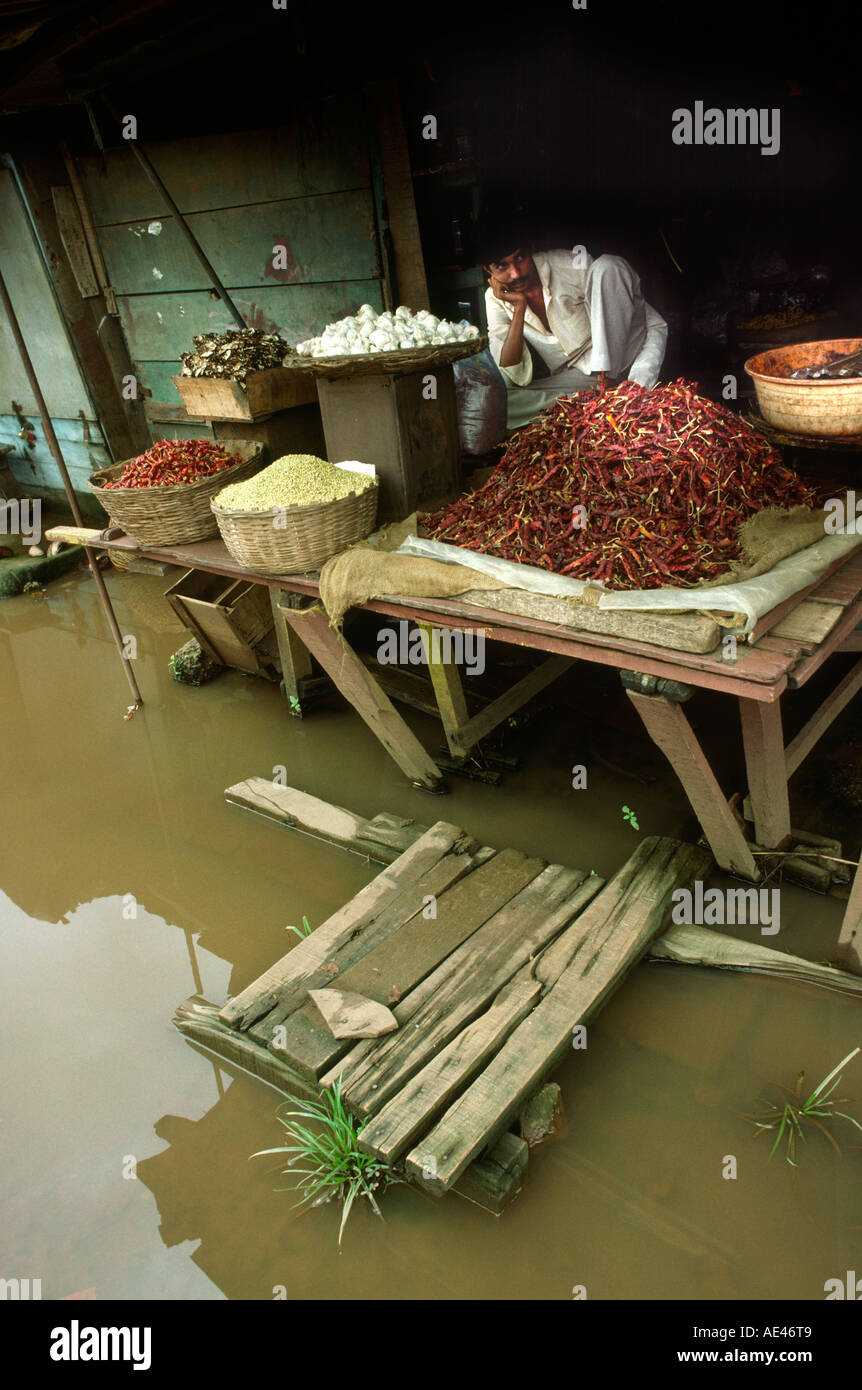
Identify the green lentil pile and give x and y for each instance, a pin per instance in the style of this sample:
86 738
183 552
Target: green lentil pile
296 480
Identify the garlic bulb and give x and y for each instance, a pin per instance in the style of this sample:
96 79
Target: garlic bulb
368 331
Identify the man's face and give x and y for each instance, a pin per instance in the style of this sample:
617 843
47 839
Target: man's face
516 272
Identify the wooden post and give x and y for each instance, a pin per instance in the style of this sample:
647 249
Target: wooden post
763 741
446 679
667 726
850 940
293 653
358 686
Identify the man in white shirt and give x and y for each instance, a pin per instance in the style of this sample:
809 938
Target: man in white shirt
581 317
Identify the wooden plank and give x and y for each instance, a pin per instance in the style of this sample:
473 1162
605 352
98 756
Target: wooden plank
815 590
688 631
760 675
365 939
463 985
668 727
690 945
393 966
74 241
489 1104
358 686
306 958
390 1132
763 741
799 747
852 643
805 669
490 1183
809 622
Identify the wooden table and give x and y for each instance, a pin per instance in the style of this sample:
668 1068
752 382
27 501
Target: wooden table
790 645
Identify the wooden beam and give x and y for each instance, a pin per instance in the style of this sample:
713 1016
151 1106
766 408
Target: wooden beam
358 686
799 747
487 719
668 727
763 742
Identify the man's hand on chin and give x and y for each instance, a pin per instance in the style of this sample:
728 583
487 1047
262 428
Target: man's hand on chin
514 297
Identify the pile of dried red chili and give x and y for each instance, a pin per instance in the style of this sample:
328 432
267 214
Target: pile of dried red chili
633 488
175 461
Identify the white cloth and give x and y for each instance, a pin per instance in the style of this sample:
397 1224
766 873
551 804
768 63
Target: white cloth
599 322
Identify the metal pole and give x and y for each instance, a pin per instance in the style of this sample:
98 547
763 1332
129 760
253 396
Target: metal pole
51 438
155 180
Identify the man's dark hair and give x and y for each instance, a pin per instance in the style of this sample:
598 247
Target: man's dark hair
496 239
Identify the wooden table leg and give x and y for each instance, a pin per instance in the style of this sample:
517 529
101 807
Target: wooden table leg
293 653
358 686
448 690
669 729
850 940
766 771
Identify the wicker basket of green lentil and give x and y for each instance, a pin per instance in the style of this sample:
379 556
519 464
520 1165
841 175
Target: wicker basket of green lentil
297 513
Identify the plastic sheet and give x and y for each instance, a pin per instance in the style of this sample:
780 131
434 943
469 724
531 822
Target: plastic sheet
750 599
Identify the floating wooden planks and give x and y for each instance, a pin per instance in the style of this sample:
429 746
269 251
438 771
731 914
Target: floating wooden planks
487 960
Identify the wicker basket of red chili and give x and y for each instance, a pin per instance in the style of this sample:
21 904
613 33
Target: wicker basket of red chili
162 497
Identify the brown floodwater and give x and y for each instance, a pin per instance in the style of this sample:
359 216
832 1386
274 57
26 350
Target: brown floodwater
129 884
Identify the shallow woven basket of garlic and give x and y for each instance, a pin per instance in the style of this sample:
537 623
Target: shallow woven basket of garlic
367 332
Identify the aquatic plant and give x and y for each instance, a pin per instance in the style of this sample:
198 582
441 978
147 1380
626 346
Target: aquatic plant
303 931
789 1118
629 815
337 1167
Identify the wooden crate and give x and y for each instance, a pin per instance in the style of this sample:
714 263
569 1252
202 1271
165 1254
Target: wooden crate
264 393
230 618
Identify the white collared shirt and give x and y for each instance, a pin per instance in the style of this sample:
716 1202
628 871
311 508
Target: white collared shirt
628 339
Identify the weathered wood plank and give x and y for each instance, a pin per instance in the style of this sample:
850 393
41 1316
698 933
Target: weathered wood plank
448 690
690 945
299 811
538 1044
850 938
307 956
412 1110
364 938
393 967
464 985
809 622
684 632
